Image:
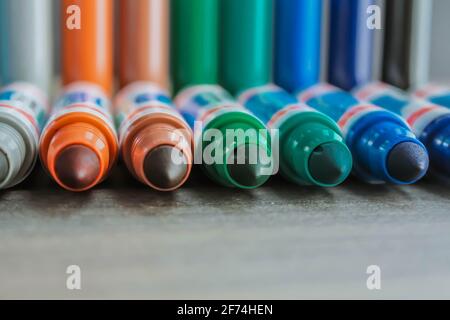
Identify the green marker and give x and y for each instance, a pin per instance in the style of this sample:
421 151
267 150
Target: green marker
234 145
312 149
246 43
195 32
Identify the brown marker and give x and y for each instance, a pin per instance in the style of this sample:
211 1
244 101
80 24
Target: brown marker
144 41
155 141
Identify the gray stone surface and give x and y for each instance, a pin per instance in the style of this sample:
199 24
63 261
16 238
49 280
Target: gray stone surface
281 241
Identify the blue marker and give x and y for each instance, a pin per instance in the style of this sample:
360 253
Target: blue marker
351 44
383 146
297 43
430 122
312 150
435 93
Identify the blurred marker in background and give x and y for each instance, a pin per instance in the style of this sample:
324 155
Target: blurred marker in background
26 37
195 41
435 93
351 44
407 43
144 41
87 52
298 27
246 44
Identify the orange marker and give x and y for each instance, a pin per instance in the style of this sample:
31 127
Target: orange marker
144 41
155 141
87 48
79 145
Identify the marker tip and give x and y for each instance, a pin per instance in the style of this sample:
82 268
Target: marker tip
77 167
160 169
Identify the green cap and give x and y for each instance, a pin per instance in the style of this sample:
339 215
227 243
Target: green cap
245 164
313 152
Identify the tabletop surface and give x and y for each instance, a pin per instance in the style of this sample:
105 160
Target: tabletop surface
281 241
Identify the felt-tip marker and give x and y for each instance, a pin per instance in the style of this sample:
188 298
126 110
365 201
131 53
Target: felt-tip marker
298 27
23 111
435 93
351 44
383 145
312 148
78 146
430 122
246 44
244 163
155 141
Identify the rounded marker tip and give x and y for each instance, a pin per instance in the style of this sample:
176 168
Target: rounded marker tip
407 162
4 166
243 169
327 165
77 167
160 169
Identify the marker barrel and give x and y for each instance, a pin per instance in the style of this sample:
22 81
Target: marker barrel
306 136
298 27
351 44
195 41
246 44
147 120
217 112
397 43
87 52
144 41
81 117
407 43
26 37
378 139
429 122
23 108
437 94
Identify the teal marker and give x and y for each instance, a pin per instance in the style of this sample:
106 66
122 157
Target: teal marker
312 149
246 52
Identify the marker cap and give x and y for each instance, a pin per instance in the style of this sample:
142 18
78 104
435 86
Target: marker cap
12 154
83 142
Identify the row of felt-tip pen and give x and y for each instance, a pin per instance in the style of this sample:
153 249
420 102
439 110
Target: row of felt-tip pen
78 145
